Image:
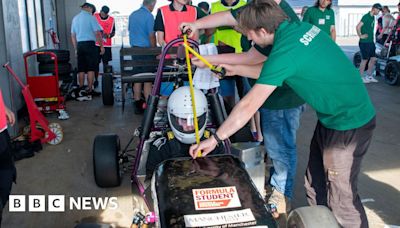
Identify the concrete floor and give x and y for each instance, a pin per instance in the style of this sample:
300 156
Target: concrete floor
66 169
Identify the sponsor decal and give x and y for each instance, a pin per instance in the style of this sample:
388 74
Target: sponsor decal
216 198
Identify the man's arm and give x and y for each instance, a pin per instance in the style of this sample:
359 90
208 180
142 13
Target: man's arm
251 57
358 29
160 38
239 116
248 71
99 39
333 33
150 29
10 116
224 18
152 38
74 42
112 34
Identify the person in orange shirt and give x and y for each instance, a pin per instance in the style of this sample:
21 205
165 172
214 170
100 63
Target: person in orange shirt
108 25
166 26
7 167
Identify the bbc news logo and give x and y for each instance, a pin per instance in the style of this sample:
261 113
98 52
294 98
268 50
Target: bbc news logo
58 203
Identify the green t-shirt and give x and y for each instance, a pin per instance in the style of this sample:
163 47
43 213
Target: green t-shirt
316 68
322 19
283 97
368 28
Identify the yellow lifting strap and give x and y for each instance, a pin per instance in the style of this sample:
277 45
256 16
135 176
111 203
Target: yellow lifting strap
196 124
218 71
170 135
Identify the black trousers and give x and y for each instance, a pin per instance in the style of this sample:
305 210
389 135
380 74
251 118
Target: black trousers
88 56
332 173
7 168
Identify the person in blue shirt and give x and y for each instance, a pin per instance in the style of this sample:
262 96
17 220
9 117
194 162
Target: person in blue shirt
85 31
141 34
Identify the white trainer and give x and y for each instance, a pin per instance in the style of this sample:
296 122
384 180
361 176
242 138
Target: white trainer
371 79
365 80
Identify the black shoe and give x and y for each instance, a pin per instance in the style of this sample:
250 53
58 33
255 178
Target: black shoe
36 146
82 95
22 150
138 107
94 93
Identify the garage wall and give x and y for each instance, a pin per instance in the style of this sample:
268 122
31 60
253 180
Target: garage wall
11 52
49 19
11 47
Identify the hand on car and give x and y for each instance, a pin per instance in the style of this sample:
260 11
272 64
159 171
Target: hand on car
230 70
189 28
197 62
205 147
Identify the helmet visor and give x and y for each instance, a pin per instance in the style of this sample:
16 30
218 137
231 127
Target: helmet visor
186 125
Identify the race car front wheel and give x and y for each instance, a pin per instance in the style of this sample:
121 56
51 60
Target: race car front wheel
311 217
106 161
392 73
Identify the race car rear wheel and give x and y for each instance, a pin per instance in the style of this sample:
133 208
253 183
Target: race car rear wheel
392 73
312 217
357 60
107 87
105 160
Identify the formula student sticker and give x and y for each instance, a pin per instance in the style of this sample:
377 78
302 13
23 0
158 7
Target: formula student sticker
216 198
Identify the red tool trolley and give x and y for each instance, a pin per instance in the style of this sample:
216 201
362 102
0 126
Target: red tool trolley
45 88
40 128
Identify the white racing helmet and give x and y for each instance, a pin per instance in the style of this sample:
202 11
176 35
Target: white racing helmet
180 114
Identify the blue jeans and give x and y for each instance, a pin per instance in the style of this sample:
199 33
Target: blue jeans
279 130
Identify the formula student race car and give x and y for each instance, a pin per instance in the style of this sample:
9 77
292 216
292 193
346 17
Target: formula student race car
213 191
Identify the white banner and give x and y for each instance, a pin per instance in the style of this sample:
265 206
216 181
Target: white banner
241 218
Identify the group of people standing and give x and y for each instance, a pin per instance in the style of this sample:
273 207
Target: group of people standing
91 35
386 25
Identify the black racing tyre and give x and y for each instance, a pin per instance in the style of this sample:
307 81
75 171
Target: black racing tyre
63 68
357 59
312 217
105 160
62 56
108 69
392 73
107 87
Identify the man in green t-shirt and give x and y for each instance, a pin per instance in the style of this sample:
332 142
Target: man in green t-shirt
322 16
280 115
346 116
365 30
